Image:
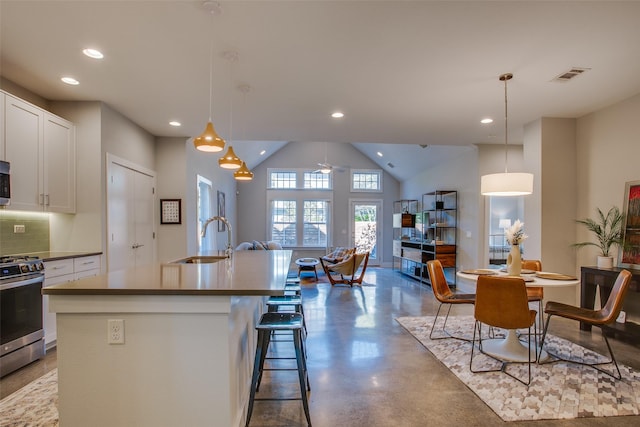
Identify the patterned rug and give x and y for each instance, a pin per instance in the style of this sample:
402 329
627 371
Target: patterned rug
558 390
34 405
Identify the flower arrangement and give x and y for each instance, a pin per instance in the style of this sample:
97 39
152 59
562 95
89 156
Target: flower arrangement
515 234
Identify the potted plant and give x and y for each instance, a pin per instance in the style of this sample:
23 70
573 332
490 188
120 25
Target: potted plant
608 231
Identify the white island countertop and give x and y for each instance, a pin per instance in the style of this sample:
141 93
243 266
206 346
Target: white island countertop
245 273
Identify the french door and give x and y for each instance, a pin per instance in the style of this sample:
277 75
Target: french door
366 228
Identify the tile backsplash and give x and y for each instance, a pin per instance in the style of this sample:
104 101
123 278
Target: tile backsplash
36 232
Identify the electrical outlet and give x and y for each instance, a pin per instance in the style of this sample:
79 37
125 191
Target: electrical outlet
18 228
115 331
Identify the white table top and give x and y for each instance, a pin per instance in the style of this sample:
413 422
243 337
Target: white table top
537 281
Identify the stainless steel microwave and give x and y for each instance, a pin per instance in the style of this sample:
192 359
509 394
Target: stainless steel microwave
5 184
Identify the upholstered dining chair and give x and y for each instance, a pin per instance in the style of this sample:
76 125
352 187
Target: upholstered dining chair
344 272
501 302
535 293
604 316
444 295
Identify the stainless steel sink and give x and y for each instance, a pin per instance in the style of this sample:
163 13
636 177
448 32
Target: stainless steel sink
200 259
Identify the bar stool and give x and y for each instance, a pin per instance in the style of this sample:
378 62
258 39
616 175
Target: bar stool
292 290
275 304
270 322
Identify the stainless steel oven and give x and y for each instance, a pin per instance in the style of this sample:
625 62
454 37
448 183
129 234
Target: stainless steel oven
21 329
5 185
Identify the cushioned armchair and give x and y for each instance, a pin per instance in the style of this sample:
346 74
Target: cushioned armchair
338 254
344 272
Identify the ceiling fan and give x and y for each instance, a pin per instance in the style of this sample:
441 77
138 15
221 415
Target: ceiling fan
327 167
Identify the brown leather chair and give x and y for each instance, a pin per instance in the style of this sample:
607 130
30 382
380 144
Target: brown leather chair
605 316
501 302
444 295
346 269
534 293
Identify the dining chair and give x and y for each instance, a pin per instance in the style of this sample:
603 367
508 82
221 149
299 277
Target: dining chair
501 302
535 293
604 316
444 295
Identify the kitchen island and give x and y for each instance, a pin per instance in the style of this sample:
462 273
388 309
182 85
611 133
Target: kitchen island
188 339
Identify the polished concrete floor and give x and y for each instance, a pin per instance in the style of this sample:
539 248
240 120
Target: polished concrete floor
366 370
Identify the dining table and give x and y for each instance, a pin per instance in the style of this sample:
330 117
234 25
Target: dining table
556 286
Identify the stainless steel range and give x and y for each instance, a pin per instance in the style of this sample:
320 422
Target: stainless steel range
21 330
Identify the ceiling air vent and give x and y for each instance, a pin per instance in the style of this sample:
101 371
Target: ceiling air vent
391 165
568 75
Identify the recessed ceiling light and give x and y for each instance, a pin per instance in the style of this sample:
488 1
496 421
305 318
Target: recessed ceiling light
337 115
70 81
486 121
262 152
93 53
379 154
175 123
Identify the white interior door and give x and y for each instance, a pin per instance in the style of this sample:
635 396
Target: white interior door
365 227
130 225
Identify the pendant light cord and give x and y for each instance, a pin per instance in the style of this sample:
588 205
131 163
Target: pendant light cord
211 70
506 126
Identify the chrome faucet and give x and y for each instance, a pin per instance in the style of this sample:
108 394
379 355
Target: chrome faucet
228 250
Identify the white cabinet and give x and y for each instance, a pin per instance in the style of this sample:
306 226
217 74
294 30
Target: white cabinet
61 271
2 153
41 148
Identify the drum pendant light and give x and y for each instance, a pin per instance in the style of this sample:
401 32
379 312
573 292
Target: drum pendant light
209 141
507 183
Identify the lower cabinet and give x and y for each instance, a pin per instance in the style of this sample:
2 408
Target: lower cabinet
61 271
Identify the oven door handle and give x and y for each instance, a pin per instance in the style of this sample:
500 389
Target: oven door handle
22 282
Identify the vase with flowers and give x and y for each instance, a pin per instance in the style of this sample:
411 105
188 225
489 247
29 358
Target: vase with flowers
515 236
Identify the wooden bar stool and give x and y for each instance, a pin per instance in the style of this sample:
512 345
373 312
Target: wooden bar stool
270 322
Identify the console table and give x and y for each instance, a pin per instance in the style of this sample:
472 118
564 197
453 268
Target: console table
605 278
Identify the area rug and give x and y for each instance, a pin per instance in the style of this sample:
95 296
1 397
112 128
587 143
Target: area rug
558 390
34 405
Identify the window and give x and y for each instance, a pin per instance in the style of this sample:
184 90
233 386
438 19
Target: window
317 180
315 223
283 222
282 179
364 180
299 202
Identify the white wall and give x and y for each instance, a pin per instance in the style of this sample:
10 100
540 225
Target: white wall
171 156
456 169
84 230
608 153
206 165
252 198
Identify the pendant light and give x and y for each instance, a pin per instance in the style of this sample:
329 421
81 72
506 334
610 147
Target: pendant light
230 160
243 174
209 141
507 183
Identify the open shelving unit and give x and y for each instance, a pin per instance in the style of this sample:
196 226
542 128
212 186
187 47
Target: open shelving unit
440 237
426 230
407 238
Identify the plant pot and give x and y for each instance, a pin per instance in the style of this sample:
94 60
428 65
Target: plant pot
605 262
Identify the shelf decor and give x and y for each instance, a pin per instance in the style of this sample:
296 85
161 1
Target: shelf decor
170 211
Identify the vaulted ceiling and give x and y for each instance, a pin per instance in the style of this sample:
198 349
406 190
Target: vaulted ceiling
403 72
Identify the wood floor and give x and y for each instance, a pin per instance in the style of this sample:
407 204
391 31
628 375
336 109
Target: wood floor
366 370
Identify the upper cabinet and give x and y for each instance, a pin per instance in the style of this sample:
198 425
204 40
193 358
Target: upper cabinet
41 148
2 153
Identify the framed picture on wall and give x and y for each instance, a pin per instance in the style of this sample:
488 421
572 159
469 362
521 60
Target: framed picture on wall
170 211
221 211
630 253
